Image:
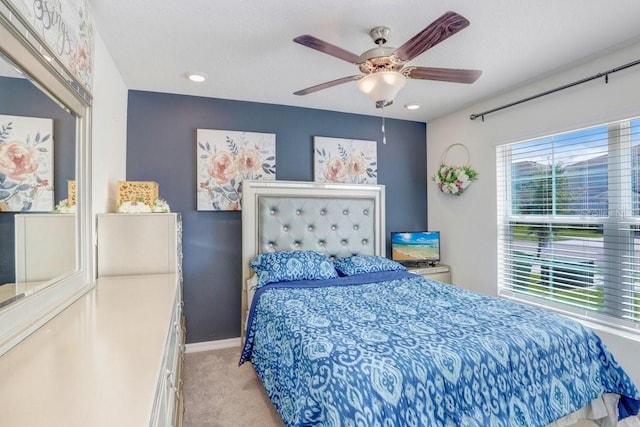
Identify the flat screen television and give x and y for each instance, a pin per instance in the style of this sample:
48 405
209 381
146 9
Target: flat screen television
415 247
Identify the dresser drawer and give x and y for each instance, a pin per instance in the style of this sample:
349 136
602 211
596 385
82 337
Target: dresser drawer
168 402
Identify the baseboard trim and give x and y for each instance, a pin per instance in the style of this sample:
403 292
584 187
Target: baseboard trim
212 345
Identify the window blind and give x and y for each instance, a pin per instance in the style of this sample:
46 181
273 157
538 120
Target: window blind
569 222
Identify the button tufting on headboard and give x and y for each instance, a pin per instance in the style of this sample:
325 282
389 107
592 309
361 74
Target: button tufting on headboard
329 225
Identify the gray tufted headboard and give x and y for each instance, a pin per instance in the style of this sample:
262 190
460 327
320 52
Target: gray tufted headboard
337 219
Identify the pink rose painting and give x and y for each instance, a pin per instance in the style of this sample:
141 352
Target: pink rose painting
350 161
26 164
225 159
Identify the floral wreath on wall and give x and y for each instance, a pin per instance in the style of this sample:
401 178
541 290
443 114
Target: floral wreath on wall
453 179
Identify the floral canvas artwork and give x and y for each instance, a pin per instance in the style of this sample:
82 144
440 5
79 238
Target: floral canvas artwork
26 164
349 161
225 159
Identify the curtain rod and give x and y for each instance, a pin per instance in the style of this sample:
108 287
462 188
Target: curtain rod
604 74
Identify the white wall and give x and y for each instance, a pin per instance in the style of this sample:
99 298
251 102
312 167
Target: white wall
109 134
468 223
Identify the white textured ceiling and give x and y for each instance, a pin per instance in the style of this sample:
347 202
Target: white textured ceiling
246 49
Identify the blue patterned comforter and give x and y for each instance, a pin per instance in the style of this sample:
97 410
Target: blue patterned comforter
408 351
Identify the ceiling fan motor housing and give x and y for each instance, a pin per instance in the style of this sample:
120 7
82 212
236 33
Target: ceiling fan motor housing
380 59
380 35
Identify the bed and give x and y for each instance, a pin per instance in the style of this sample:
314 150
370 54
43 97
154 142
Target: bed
377 345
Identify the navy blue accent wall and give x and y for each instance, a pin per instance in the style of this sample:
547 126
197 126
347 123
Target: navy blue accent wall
161 147
19 97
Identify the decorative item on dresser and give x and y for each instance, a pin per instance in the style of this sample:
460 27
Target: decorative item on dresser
138 191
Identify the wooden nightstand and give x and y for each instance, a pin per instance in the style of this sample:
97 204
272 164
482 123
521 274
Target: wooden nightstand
440 272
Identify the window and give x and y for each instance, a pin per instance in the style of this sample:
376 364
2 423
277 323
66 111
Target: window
569 222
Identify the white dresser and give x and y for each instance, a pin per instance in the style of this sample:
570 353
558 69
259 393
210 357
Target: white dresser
112 358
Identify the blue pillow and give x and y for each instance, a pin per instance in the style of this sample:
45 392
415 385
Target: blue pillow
287 266
359 264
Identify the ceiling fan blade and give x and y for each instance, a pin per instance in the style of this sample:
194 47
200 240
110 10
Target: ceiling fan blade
443 74
327 85
328 48
439 30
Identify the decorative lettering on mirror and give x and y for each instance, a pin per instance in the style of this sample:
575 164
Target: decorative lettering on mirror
49 17
65 26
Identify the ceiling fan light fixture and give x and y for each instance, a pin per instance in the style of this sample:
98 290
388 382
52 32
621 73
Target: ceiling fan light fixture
382 86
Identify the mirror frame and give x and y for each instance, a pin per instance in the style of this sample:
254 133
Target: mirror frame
21 45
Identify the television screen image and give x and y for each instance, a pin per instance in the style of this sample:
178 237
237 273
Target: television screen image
416 247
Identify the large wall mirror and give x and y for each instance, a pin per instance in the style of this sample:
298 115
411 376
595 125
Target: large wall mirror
36 245
45 255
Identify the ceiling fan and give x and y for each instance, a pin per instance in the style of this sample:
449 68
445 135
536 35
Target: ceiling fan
384 68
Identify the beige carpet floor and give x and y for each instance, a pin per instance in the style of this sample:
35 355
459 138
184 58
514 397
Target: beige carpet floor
218 393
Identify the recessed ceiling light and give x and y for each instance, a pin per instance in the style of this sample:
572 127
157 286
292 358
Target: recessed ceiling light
412 106
196 77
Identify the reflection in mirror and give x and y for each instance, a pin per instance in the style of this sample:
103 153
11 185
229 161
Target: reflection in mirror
37 165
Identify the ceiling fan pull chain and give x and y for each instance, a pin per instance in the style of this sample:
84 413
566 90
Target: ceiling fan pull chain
384 134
